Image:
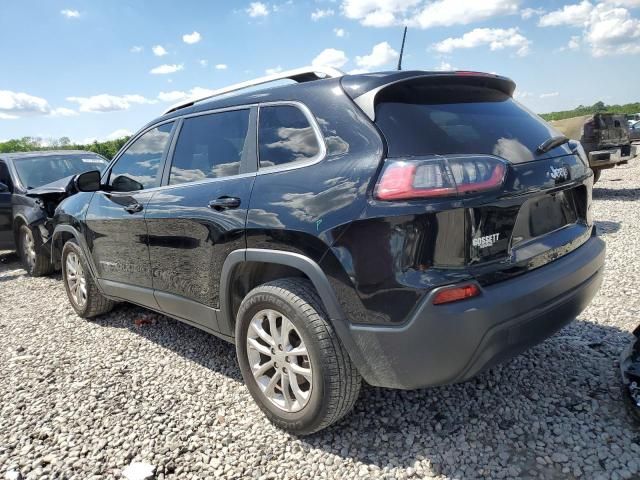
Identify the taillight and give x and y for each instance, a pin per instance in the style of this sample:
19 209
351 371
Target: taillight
454 294
434 177
578 149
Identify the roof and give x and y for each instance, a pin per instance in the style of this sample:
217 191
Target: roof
43 153
354 86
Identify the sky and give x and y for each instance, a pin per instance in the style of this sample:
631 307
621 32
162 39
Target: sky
101 69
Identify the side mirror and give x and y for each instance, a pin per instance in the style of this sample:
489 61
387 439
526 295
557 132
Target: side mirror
4 188
88 181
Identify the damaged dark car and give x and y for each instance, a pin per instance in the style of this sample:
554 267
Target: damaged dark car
32 184
630 369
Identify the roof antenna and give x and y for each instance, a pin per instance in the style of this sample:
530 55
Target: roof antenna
404 37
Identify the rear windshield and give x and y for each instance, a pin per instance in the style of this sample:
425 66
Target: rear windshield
458 119
35 172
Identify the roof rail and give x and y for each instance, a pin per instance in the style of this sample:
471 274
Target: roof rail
304 74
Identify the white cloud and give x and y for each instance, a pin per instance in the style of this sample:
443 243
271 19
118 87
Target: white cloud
444 67
574 43
177 95
116 134
330 57
221 66
608 27
573 15
624 3
257 9
549 95
19 104
339 32
136 49
191 38
522 95
203 62
381 54
527 13
70 13
417 13
63 112
166 69
495 38
108 103
377 13
444 13
273 71
612 31
158 50
320 14
357 71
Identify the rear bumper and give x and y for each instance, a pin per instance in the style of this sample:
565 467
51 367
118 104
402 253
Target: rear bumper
452 343
609 157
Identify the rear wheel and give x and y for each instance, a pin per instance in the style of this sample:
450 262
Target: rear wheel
83 294
35 263
293 363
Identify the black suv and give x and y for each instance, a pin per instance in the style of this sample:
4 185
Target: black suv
32 184
406 228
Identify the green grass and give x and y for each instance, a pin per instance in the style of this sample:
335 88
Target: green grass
595 108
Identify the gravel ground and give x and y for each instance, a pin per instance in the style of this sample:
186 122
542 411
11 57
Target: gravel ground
85 399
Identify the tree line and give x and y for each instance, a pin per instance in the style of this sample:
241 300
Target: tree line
598 107
107 148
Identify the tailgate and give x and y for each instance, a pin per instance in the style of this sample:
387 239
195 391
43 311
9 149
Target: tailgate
540 216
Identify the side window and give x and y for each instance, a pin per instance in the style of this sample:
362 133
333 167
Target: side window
285 136
137 168
210 146
4 175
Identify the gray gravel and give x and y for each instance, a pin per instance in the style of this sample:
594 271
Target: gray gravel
86 399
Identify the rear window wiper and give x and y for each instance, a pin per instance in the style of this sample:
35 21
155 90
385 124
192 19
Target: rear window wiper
552 143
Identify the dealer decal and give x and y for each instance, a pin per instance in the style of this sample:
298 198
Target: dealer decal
487 241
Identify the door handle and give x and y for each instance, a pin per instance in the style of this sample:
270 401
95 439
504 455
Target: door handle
224 203
134 208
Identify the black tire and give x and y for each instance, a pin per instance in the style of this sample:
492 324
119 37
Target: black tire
33 260
335 382
95 304
596 174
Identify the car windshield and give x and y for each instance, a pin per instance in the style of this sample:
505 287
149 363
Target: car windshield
37 171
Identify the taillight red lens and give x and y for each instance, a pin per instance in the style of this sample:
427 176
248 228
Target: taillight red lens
454 294
439 177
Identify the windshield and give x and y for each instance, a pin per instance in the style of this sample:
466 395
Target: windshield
425 119
37 171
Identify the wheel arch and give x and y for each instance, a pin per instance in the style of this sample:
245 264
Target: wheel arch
61 235
264 265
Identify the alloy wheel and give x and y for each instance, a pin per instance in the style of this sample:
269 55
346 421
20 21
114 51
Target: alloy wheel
279 360
28 248
76 280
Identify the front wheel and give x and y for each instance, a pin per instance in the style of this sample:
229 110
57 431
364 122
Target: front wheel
33 260
294 365
83 294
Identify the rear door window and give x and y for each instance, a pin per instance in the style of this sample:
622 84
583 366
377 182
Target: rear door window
285 136
210 146
458 119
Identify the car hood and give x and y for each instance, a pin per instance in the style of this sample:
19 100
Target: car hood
63 186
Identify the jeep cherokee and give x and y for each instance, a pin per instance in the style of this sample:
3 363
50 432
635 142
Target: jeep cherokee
406 228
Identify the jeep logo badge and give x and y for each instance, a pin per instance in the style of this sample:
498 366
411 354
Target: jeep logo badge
560 173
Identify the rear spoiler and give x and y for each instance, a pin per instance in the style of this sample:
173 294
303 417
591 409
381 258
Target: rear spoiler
363 89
